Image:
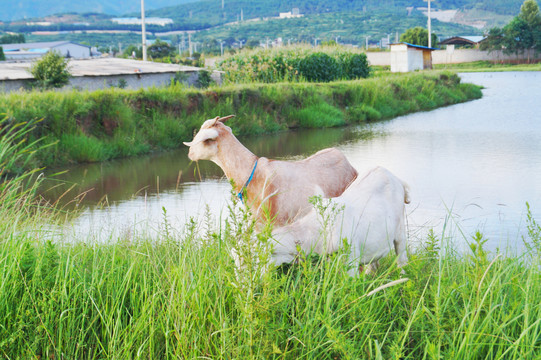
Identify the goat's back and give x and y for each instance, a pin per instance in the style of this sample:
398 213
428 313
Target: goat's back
290 184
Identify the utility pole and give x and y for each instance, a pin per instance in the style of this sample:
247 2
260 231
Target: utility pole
190 44
183 42
143 29
429 25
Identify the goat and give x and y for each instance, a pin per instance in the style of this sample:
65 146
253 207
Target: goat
275 190
372 221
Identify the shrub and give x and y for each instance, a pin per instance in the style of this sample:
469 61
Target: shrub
356 66
51 71
320 67
204 79
295 64
160 49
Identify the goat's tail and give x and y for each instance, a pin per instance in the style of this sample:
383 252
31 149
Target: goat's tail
407 199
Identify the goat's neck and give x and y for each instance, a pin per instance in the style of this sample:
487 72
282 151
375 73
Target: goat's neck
236 161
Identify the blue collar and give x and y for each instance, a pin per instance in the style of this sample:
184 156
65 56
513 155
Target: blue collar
247 183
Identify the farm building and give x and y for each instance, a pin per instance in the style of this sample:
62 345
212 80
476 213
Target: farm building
463 41
407 57
99 73
36 50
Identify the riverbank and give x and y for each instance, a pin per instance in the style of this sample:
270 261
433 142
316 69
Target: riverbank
180 296
171 293
487 66
102 125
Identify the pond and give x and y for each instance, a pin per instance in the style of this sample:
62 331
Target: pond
471 166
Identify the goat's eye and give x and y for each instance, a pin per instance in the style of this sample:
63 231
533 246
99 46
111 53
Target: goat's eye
208 141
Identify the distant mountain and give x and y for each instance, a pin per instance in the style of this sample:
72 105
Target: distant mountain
210 13
24 9
237 21
212 9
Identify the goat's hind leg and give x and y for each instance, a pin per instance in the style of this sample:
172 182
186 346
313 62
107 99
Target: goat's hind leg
401 251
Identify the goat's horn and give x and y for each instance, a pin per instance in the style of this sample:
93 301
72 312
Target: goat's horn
223 119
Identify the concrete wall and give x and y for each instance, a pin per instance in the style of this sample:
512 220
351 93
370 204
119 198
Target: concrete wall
456 56
13 85
380 58
131 81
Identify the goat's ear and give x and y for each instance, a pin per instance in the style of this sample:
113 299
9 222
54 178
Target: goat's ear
203 135
225 118
213 122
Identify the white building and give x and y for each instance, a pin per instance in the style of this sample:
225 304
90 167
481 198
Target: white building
291 14
407 57
148 21
36 50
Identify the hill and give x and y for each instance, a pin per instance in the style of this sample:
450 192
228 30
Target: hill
350 21
211 12
26 9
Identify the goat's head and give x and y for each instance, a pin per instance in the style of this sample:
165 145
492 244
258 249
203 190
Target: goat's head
204 145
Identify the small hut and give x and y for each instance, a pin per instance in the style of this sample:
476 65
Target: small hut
407 57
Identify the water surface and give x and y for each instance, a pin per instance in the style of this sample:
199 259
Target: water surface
473 165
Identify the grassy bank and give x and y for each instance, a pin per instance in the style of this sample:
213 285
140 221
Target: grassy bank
178 296
486 66
106 124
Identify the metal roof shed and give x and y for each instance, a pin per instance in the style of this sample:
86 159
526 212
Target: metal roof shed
407 57
464 40
33 50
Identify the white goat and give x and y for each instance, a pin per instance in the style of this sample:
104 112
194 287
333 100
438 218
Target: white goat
282 188
372 221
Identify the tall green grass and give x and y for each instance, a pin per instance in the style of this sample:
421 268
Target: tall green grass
295 63
112 123
180 296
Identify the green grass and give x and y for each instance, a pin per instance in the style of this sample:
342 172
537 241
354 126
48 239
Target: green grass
178 295
487 66
112 123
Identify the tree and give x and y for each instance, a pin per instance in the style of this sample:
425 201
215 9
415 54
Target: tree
494 40
160 49
518 36
521 34
51 71
2 55
12 39
418 36
133 49
529 12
